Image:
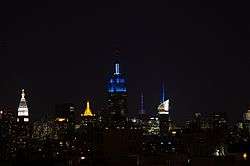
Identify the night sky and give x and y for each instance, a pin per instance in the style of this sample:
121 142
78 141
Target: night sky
64 51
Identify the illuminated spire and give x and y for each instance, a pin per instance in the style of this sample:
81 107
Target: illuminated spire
163 93
23 108
117 64
142 105
87 111
117 69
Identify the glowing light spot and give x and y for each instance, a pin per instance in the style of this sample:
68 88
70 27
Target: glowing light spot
244 156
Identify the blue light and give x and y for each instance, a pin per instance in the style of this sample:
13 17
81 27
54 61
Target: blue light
117 86
116 83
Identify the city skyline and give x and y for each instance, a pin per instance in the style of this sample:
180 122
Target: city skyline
63 56
112 87
88 83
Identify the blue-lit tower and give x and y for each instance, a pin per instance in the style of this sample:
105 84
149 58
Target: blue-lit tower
117 106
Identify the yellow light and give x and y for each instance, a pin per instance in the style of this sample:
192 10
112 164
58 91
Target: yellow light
60 119
244 156
87 111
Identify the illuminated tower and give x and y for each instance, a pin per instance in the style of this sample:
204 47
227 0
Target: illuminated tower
163 108
87 111
163 113
22 130
23 112
116 106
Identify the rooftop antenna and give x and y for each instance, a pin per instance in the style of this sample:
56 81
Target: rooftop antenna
142 104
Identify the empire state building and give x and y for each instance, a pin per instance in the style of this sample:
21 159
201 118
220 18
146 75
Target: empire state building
116 106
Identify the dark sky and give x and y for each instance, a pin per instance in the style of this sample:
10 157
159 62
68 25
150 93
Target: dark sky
63 52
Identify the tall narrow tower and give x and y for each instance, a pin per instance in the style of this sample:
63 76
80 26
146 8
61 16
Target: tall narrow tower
163 113
142 111
23 111
116 104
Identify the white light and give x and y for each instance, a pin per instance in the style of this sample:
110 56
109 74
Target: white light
25 119
117 68
1 112
173 132
164 107
245 156
23 109
164 113
217 152
82 158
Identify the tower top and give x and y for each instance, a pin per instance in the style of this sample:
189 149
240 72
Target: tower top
23 108
23 94
88 111
117 68
117 63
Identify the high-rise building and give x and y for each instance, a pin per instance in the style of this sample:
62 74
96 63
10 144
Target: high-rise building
163 113
65 112
246 115
23 126
246 118
23 111
116 104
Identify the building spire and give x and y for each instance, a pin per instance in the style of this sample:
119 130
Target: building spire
142 104
23 94
87 111
117 64
163 93
117 68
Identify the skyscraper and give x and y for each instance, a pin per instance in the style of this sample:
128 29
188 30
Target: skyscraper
65 112
23 125
116 104
23 112
163 113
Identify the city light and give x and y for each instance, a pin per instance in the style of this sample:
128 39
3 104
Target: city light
244 156
60 119
112 133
